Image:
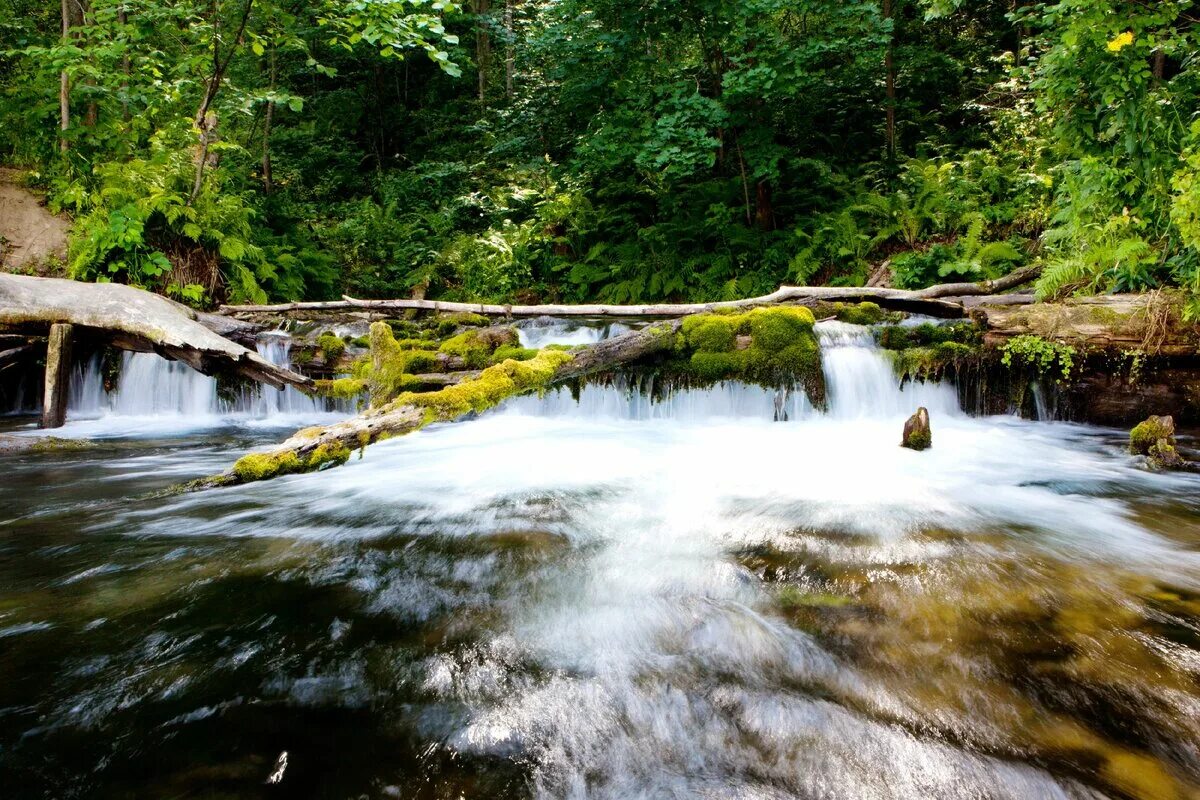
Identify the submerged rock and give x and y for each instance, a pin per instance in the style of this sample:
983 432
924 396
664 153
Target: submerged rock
917 435
1155 439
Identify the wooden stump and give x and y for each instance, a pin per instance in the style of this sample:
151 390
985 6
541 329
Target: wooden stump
58 376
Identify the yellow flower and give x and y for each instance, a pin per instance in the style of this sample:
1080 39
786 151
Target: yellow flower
1121 42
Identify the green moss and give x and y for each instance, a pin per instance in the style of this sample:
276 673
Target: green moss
718 366
777 346
476 347
262 466
361 341
448 323
931 362
1146 434
390 367
507 351
332 346
494 384
302 356
710 334
862 314
902 338
791 596
344 388
57 444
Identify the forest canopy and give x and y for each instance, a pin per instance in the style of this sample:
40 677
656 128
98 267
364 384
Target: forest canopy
246 150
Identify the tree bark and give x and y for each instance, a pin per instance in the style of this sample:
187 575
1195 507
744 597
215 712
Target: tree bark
890 68
941 301
64 84
206 120
266 146
133 319
58 375
483 48
509 49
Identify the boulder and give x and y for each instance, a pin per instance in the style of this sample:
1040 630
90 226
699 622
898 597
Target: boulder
1154 438
917 435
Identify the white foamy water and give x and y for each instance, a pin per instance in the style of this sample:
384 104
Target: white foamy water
538 333
157 396
661 669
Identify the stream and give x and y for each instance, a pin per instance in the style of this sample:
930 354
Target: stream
598 597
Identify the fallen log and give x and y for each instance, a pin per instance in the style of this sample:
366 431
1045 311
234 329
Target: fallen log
133 319
315 448
931 301
1144 323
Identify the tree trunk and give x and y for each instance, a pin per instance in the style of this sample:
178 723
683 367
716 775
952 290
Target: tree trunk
266 146
133 319
890 67
315 448
944 300
123 19
206 118
509 48
58 375
483 48
764 215
64 84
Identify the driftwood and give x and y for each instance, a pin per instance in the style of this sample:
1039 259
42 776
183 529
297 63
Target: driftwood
133 319
1145 323
937 301
314 448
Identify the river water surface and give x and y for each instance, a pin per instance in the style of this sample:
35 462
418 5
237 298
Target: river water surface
606 598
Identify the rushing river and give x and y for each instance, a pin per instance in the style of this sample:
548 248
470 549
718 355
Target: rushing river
606 598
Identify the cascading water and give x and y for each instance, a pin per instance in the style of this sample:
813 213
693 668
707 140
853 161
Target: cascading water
157 390
859 377
538 333
860 382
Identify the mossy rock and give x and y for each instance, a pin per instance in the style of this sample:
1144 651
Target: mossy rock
917 433
342 388
1146 434
332 346
1155 438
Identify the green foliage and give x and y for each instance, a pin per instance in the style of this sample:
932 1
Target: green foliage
1040 355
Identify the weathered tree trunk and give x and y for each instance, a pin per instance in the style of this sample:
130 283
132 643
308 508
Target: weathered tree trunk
58 375
132 319
64 84
944 300
889 61
1145 323
266 146
509 49
483 48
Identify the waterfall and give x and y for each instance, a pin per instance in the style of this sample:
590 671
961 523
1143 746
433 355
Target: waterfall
861 383
151 386
859 379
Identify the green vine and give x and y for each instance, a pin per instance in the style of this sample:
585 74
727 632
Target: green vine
1041 355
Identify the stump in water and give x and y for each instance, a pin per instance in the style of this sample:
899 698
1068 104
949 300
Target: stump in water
58 372
917 435
1155 439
